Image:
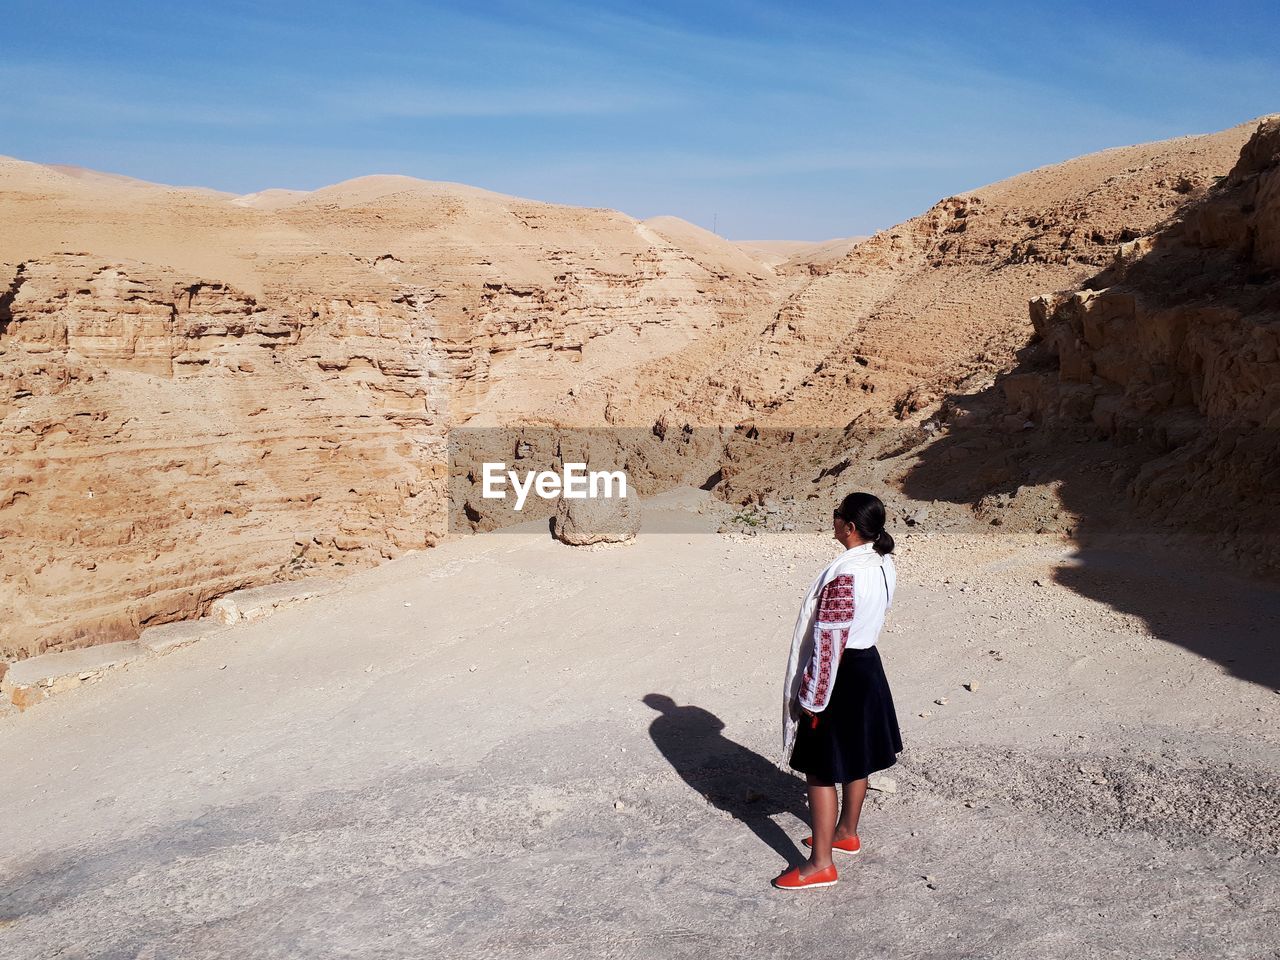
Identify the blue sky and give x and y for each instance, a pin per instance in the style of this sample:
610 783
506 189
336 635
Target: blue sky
770 120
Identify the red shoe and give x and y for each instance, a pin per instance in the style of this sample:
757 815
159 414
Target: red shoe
852 845
791 880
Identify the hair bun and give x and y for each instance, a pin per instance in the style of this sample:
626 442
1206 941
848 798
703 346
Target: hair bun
866 513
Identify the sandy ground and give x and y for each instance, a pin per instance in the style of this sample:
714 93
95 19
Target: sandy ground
468 753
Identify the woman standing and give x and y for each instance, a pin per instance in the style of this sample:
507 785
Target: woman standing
839 725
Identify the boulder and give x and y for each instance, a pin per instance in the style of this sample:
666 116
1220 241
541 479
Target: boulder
596 520
257 603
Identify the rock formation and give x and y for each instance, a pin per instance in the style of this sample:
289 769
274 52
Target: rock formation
583 522
214 392
167 440
1175 350
851 368
201 392
907 314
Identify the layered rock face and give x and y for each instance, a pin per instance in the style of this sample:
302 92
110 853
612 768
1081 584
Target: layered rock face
843 374
1175 350
902 317
201 392
217 392
166 441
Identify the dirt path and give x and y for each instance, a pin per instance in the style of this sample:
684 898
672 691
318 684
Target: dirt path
470 752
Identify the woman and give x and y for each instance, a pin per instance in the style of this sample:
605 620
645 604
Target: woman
839 725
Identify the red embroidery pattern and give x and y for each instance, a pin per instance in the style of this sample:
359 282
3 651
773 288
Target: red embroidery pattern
835 606
836 603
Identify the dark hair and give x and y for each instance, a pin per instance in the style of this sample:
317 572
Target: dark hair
866 513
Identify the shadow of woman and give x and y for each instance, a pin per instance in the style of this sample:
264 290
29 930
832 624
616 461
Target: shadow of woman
731 777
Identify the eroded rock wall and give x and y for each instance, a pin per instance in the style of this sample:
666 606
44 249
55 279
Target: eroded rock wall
219 392
165 441
1175 349
892 326
223 391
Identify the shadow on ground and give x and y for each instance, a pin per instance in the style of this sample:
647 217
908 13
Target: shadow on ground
731 777
1230 620
1172 577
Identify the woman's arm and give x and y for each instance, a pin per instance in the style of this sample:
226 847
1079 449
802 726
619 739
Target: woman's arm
830 633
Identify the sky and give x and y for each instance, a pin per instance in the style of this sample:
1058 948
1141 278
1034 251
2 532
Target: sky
802 121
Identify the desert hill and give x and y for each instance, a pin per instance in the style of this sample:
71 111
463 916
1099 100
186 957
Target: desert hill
907 313
799 256
1142 397
203 392
1172 353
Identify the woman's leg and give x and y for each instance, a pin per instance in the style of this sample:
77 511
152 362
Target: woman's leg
854 793
822 811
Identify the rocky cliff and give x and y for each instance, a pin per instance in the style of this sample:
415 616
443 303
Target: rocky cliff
166 440
201 392
902 317
1174 351
854 366
216 392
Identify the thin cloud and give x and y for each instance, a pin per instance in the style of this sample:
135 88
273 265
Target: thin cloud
442 102
804 120
34 93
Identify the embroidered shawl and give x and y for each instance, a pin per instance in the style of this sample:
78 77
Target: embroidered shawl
822 631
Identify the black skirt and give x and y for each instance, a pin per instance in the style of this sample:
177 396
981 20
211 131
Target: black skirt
857 734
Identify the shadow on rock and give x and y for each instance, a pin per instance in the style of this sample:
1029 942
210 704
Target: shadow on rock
732 778
1063 478
1145 405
